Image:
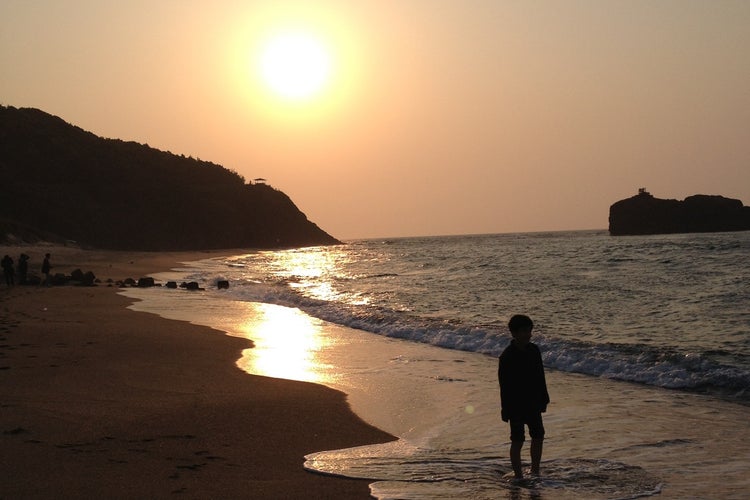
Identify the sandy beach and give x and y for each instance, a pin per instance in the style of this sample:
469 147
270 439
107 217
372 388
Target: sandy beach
98 401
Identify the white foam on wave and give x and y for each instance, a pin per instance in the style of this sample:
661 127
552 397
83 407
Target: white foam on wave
640 364
643 363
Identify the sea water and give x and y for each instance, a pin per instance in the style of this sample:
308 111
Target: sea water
646 341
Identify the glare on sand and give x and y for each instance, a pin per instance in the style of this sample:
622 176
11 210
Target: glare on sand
286 345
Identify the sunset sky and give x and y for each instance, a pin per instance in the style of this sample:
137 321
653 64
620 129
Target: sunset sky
413 117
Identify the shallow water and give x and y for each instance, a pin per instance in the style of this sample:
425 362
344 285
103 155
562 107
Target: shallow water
605 439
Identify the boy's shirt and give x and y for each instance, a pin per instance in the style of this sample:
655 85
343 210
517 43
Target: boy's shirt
523 387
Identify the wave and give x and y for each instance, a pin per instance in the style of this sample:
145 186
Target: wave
662 367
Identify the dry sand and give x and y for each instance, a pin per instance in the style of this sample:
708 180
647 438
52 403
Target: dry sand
98 401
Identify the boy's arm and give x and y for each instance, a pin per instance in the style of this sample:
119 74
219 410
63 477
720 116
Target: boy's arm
543 380
503 397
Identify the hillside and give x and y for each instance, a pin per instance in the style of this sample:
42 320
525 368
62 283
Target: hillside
62 183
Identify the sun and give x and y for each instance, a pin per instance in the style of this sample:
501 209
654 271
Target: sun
295 66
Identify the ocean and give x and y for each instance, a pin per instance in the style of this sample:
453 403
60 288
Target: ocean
645 339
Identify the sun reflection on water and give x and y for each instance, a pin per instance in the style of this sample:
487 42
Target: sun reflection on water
287 344
311 269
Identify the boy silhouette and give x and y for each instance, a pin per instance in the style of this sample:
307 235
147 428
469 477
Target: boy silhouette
523 393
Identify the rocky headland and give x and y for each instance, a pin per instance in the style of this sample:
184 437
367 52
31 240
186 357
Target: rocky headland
700 213
62 184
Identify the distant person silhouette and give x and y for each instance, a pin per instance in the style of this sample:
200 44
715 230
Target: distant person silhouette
523 393
46 267
23 268
8 270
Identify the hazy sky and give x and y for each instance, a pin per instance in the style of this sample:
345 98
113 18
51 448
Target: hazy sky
438 117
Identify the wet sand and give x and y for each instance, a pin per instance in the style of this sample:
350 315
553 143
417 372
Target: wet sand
98 401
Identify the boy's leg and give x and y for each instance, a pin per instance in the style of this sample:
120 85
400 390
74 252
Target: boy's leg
517 437
536 454
515 458
536 431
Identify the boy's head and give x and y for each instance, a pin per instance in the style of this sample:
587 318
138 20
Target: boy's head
520 327
520 323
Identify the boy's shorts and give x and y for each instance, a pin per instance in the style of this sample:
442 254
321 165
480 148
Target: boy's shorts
534 421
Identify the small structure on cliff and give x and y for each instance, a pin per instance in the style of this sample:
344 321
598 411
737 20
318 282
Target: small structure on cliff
700 213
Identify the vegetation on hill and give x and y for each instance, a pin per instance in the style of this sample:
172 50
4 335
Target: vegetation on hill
62 183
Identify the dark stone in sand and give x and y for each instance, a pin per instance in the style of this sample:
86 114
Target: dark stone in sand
146 282
193 285
89 279
79 277
59 279
171 284
222 284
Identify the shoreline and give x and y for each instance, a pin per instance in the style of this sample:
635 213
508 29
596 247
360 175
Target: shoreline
102 401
